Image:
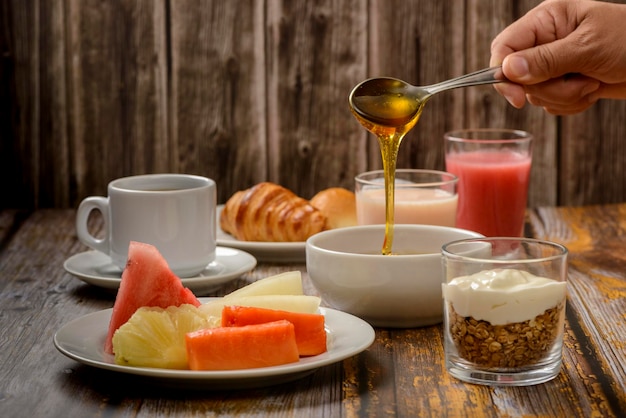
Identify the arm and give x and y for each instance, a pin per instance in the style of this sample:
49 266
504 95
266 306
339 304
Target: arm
564 55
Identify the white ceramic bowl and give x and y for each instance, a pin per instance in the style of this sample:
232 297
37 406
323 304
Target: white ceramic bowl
402 291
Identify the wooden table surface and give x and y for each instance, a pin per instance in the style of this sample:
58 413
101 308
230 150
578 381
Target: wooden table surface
401 374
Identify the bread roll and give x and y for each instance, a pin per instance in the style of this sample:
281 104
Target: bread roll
338 205
270 213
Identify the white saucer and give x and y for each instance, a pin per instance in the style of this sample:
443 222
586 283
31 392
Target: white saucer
83 340
96 268
276 252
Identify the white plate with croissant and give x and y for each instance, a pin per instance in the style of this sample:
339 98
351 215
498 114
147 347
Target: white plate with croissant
273 223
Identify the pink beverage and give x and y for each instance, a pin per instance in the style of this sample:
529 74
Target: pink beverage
412 206
425 197
493 188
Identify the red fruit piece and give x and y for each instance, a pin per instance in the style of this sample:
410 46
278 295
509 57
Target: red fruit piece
309 328
146 281
247 347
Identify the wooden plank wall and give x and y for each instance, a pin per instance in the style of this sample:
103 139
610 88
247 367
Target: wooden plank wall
244 91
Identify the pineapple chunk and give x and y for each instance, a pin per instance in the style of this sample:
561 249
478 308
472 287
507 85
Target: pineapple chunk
155 337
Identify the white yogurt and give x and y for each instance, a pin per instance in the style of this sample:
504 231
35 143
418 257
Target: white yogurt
503 296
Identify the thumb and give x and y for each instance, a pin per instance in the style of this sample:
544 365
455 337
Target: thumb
541 63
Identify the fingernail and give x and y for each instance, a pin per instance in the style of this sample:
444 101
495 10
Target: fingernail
510 93
513 101
518 67
590 88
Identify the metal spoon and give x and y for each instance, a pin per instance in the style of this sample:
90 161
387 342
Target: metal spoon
392 102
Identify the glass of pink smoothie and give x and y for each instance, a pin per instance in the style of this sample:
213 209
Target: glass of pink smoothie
426 197
493 167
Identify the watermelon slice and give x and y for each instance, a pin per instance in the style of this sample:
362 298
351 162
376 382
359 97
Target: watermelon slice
146 281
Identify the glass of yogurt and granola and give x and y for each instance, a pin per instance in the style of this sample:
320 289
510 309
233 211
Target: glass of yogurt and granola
504 310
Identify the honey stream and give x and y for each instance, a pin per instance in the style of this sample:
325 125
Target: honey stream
388 115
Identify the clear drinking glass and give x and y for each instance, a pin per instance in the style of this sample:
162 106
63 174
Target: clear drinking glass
504 310
425 197
493 167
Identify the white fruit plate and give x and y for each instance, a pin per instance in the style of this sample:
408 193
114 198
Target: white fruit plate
83 340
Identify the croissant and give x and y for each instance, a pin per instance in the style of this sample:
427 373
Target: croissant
270 213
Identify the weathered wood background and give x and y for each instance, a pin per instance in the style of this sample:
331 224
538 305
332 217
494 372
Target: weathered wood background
244 91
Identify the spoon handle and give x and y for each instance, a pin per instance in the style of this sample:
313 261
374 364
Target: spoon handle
485 76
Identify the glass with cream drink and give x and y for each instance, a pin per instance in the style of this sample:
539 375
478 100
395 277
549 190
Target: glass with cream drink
425 197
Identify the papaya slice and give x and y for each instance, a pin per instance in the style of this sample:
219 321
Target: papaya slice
246 347
309 328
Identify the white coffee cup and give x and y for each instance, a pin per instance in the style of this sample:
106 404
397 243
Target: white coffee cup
173 212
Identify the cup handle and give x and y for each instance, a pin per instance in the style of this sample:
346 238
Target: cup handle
84 209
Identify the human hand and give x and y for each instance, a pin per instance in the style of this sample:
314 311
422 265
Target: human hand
563 55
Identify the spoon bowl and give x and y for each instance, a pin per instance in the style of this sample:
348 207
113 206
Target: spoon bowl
392 102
